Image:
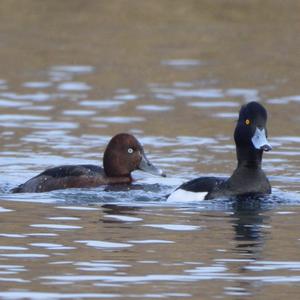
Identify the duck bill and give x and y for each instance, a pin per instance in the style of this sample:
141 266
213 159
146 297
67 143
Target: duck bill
259 140
146 166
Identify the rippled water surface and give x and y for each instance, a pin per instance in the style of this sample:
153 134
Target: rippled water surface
174 74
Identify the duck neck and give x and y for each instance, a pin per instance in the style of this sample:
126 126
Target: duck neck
249 157
119 179
117 174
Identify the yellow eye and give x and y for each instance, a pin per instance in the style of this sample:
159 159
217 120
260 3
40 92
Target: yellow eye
247 122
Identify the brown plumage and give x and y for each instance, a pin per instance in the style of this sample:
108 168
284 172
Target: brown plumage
123 155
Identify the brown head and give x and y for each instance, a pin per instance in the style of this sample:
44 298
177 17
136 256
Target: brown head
124 154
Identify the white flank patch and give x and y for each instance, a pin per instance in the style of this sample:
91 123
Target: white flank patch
186 196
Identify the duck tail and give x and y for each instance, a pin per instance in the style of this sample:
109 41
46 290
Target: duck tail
17 189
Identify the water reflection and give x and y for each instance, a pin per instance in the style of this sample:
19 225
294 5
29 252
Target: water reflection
249 224
249 221
103 250
175 78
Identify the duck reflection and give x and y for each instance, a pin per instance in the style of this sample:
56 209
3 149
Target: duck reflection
120 214
249 223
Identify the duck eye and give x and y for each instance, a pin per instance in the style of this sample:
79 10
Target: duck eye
247 122
130 150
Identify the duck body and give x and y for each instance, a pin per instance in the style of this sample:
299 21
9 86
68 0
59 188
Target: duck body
69 176
123 155
248 179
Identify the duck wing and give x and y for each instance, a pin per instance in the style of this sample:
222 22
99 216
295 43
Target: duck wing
72 170
66 176
202 184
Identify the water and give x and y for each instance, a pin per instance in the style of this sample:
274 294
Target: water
174 74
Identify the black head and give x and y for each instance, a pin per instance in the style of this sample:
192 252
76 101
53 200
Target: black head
125 154
251 131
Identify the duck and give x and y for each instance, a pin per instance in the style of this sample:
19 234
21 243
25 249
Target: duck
123 155
248 179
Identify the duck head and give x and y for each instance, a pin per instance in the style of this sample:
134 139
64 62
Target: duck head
124 154
251 133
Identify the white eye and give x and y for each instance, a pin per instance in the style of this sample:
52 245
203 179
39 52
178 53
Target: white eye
130 150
